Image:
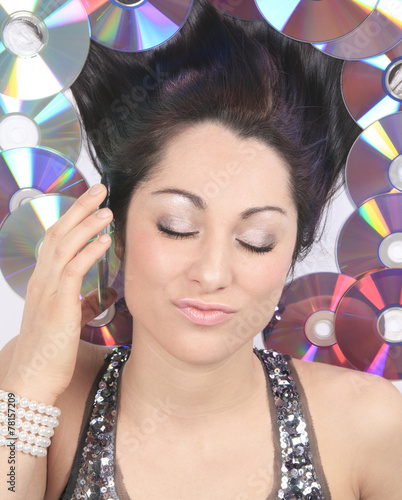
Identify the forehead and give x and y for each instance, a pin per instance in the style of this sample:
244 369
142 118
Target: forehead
214 162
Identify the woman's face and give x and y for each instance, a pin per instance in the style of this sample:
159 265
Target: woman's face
231 199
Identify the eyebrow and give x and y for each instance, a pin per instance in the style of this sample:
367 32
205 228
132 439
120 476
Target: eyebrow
201 205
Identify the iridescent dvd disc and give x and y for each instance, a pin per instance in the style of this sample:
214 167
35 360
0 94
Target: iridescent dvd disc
312 21
22 234
372 88
371 239
376 35
43 46
112 328
304 322
374 164
368 324
242 9
52 123
135 26
29 172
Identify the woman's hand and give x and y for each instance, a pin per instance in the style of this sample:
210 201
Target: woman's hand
46 350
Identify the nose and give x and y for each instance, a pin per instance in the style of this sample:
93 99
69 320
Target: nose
211 266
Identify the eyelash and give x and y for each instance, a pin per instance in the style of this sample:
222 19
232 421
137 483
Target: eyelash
172 234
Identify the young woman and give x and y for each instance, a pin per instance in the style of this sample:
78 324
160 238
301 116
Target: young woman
220 148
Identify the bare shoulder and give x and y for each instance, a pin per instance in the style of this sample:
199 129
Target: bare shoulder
364 412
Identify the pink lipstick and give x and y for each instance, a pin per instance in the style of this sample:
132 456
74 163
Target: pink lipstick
203 313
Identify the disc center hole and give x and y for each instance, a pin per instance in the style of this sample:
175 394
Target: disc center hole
395 172
17 131
24 34
390 325
390 250
128 3
324 329
393 80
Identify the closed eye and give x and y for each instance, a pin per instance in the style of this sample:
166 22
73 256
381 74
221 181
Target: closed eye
173 234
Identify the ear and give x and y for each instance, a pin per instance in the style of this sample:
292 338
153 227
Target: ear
119 246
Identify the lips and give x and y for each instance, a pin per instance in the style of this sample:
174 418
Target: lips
203 313
203 306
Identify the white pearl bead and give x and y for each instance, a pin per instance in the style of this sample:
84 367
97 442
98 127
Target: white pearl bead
38 441
26 426
42 452
45 420
4 431
49 410
56 412
23 436
41 408
1 394
18 423
46 442
35 428
2 417
24 402
34 450
31 438
42 431
19 445
27 448
2 440
33 405
3 407
37 418
20 413
17 399
29 415
15 433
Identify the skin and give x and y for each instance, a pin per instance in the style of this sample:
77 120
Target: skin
202 388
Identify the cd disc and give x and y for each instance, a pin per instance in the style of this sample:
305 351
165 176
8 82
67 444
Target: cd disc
372 88
374 164
51 123
29 172
114 327
371 239
312 21
304 326
133 26
43 46
22 234
377 34
243 9
368 324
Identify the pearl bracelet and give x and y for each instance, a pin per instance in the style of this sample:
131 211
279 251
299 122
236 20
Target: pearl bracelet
31 435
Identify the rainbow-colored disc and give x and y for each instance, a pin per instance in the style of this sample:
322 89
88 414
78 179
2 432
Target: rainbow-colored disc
135 26
112 328
316 21
52 123
43 46
243 9
377 34
304 322
368 324
374 164
22 234
371 239
29 172
372 88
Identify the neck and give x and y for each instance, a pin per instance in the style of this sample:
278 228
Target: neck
158 385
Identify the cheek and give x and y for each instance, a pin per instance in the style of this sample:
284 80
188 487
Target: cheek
148 262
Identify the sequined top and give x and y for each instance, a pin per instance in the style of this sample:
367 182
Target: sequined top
298 472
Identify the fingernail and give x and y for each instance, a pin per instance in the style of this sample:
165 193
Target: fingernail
104 213
97 189
104 238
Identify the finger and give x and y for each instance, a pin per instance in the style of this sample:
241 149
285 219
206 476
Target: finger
90 304
84 206
52 265
70 283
